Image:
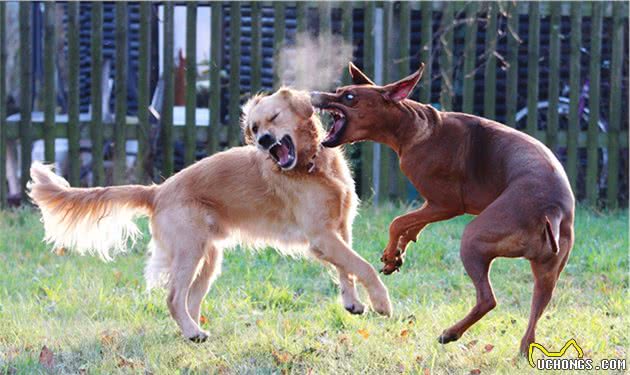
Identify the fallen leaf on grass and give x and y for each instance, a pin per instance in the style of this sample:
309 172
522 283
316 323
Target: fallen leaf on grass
117 276
400 368
404 333
47 358
364 333
488 348
124 362
60 251
281 357
426 371
475 371
203 319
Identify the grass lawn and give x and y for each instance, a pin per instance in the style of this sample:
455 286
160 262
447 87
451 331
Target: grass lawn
269 314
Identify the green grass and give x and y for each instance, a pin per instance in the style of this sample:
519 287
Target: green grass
269 314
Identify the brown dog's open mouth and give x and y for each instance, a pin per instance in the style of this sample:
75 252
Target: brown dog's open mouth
283 153
333 137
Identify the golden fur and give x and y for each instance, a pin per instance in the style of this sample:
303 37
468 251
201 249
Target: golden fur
240 195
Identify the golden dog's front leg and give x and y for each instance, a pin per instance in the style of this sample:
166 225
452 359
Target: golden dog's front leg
331 248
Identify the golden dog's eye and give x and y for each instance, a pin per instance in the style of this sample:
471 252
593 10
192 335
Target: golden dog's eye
255 128
274 117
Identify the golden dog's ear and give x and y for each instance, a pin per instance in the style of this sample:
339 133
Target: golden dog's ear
299 101
248 137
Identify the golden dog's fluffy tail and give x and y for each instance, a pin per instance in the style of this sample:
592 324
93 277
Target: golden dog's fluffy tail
88 220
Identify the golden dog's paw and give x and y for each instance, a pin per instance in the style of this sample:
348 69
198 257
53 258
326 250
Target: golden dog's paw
355 308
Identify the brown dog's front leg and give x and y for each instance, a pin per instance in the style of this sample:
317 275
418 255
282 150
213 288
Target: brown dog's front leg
406 228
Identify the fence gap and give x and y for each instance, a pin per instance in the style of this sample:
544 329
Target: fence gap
121 94
234 109
278 40
256 48
144 87
26 76
367 148
511 78
446 56
169 94
532 68
190 137
426 40
470 58
554 77
215 77
3 114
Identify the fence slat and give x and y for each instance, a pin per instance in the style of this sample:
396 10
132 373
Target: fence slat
511 78
385 186
367 148
121 93
554 76
190 141
96 93
3 115
532 67
470 57
426 39
256 48
615 104
278 39
74 172
574 98
403 69
346 32
143 159
301 8
446 57
26 76
592 188
215 77
324 17
490 73
234 129
49 81
169 93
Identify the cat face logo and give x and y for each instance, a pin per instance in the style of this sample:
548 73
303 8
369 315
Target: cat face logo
580 352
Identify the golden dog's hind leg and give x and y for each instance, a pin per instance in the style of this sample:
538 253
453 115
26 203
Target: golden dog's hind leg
349 295
210 269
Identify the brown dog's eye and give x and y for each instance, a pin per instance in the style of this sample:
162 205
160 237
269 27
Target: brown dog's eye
349 97
255 128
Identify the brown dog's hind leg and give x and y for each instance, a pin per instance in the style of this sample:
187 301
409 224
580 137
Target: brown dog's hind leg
478 268
210 269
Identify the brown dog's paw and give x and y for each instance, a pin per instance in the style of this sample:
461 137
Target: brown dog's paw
447 337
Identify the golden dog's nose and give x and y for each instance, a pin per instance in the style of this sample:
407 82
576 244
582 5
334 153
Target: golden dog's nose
266 140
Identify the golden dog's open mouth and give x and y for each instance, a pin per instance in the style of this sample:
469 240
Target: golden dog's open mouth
283 153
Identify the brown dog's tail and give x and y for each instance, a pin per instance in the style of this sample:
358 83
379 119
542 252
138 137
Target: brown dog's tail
553 240
88 220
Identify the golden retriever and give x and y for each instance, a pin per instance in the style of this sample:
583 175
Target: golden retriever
282 189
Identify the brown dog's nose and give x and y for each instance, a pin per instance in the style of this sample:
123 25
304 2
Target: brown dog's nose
266 140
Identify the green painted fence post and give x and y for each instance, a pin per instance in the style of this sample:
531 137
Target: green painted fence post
190 138
592 146
385 186
169 94
234 129
367 148
490 72
256 48
346 31
73 95
324 17
301 9
446 57
470 57
426 38
3 114
615 104
574 98
215 78
50 102
26 76
511 78
144 88
403 69
121 94
278 40
532 67
554 76
96 94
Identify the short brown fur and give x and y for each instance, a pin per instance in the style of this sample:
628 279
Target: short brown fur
461 164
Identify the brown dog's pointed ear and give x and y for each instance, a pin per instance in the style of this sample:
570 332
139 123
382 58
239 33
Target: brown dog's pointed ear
358 77
400 90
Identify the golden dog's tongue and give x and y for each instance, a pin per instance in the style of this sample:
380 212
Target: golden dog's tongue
282 154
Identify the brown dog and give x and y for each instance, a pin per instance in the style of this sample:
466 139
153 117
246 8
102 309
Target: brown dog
464 164
282 189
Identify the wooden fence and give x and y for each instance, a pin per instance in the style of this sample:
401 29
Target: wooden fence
588 130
